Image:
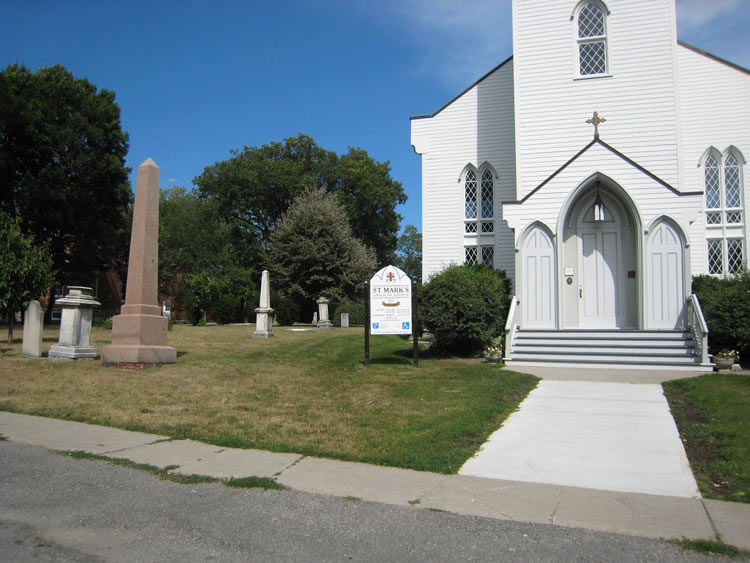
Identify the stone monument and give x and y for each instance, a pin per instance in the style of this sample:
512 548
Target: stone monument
264 313
75 325
323 320
139 332
33 329
344 320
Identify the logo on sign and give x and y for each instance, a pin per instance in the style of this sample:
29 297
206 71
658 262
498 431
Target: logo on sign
390 277
376 325
405 326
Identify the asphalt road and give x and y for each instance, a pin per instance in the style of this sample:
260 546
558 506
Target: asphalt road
55 508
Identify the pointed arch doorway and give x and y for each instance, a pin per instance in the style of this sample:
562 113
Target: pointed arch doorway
600 249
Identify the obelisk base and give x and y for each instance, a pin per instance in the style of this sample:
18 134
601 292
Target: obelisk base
139 339
263 322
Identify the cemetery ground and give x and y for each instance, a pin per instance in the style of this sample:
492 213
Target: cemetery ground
309 393
302 392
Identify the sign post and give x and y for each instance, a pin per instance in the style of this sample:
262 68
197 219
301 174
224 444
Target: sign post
390 305
367 323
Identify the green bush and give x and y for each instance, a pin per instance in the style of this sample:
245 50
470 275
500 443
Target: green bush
464 308
726 306
287 311
356 310
227 309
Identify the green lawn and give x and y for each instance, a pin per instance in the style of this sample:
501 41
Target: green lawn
712 413
305 392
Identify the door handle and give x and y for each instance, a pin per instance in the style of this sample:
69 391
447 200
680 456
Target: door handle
580 292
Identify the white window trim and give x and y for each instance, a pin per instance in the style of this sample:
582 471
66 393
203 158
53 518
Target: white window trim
725 231
479 219
577 41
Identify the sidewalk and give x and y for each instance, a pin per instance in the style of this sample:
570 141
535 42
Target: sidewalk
634 514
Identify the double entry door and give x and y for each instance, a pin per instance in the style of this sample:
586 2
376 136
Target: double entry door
600 265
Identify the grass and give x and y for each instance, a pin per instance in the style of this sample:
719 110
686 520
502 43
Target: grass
713 547
712 413
162 473
254 483
165 474
303 392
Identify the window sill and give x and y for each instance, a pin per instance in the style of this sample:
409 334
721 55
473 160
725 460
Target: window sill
591 77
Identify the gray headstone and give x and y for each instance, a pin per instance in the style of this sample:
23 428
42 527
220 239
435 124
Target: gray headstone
315 318
75 326
344 320
33 329
323 320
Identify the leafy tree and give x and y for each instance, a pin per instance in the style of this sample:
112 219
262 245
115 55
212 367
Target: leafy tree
256 186
365 187
409 253
25 269
196 244
464 308
62 167
314 253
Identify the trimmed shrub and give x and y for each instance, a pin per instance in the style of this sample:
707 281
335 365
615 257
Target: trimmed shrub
726 306
287 310
464 308
227 309
356 310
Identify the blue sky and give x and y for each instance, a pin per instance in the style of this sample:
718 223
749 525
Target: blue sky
195 79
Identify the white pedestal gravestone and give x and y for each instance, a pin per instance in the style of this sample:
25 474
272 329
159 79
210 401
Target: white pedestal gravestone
323 320
264 313
75 326
344 320
33 328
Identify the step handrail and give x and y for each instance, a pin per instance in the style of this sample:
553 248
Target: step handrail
696 323
511 325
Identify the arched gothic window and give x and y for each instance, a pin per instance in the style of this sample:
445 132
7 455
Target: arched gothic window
591 34
724 214
479 202
479 215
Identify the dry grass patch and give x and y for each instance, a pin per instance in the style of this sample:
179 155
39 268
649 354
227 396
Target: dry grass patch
305 392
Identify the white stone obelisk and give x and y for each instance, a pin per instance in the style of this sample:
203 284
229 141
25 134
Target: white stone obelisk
264 313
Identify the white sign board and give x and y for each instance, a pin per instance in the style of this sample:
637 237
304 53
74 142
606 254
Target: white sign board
390 302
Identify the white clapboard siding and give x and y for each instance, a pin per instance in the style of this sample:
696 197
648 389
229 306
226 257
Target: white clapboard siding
638 99
714 98
475 128
653 200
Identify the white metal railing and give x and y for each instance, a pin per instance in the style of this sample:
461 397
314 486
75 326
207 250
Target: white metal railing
696 323
511 325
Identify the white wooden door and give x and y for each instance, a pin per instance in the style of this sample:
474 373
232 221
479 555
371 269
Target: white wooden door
538 302
599 267
664 282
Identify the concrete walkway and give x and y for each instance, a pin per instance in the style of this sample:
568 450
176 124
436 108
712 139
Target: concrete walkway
597 435
647 515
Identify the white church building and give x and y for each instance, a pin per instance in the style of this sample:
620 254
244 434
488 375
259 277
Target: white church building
602 167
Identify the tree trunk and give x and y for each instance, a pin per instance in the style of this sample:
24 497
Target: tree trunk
50 304
11 315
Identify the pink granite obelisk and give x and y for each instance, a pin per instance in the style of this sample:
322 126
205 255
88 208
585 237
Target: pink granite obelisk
139 332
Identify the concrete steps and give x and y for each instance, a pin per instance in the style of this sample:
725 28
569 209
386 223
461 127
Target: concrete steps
617 349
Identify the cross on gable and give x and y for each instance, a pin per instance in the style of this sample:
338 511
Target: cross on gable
595 121
390 277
